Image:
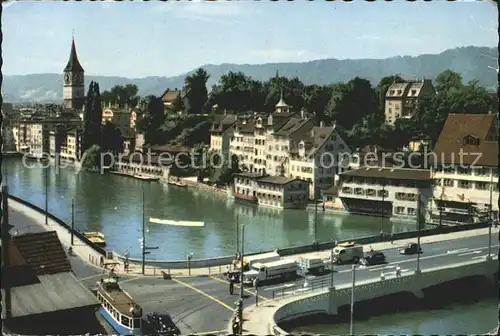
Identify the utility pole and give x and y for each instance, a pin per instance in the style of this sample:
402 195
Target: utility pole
46 169
237 234
351 325
419 227
240 303
143 236
490 215
331 266
72 221
383 199
315 220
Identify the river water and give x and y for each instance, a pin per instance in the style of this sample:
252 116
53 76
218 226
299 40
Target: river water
113 205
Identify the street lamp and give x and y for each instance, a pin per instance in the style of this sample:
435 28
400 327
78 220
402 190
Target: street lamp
72 221
331 266
240 302
46 195
189 257
490 215
144 248
351 325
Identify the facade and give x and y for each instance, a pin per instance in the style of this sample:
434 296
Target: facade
385 191
221 133
465 169
401 98
71 146
287 144
74 82
118 116
271 191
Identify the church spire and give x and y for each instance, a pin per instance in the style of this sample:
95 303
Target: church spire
73 63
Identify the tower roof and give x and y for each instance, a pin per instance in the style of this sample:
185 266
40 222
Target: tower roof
281 103
73 63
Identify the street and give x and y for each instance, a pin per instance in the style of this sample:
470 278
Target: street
203 305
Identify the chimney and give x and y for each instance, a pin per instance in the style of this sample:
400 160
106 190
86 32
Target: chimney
321 124
6 251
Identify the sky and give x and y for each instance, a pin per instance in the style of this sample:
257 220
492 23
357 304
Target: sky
139 39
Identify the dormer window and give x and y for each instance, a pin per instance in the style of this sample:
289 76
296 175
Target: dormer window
391 92
413 92
470 140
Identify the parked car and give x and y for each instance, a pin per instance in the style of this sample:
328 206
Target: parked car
373 258
410 248
161 325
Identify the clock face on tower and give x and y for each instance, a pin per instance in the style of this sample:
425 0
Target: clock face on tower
67 78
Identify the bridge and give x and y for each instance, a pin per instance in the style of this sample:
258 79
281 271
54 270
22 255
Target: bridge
296 302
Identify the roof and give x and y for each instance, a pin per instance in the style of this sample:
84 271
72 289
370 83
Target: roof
407 89
452 146
291 126
170 95
248 175
54 292
276 180
43 252
73 63
281 102
390 173
332 190
223 122
169 148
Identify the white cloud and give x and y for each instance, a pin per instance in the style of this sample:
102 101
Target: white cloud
283 55
201 10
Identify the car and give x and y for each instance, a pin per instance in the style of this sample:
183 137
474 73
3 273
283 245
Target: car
161 324
410 248
373 258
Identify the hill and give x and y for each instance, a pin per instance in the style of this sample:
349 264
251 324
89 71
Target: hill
469 61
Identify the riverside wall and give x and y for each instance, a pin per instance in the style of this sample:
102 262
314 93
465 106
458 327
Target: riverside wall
329 300
226 260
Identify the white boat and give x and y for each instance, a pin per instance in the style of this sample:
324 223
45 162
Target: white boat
146 177
176 223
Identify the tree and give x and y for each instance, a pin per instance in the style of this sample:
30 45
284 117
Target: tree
92 118
229 170
112 140
152 118
292 90
122 95
92 158
351 102
447 81
316 100
196 91
178 104
232 92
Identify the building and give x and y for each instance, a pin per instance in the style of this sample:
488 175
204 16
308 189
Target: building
271 191
169 96
221 133
465 170
71 150
401 98
74 82
40 293
287 144
385 191
119 116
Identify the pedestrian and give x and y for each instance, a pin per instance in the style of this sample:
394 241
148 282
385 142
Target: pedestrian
392 238
398 271
381 235
336 243
382 275
231 286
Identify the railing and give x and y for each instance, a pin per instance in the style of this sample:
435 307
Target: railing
313 286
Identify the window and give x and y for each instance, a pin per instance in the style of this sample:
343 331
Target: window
412 211
359 191
481 185
481 171
383 193
400 210
464 184
470 140
448 183
125 321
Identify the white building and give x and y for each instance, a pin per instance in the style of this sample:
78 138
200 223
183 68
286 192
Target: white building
465 169
385 191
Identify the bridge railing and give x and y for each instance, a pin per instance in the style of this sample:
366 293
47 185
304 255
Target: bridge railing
313 285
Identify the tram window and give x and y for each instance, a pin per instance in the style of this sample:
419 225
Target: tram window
125 321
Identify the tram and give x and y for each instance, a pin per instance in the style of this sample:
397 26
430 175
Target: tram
118 308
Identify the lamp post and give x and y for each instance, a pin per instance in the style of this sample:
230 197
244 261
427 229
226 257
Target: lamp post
331 266
72 221
490 215
46 195
240 303
143 244
237 234
351 324
189 257
315 220
419 224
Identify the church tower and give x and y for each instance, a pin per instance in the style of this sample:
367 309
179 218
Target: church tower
74 89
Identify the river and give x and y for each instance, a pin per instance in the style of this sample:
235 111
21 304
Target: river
113 205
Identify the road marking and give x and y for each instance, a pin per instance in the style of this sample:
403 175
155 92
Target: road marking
480 257
280 287
422 258
211 332
92 276
237 286
379 268
203 293
458 251
469 253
